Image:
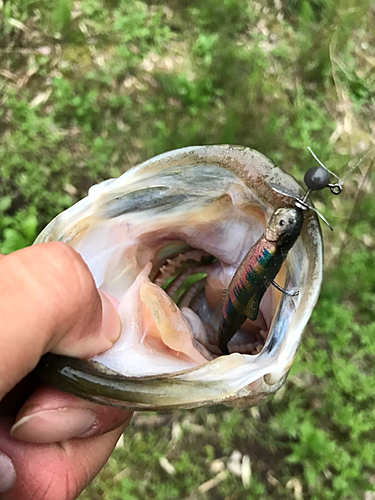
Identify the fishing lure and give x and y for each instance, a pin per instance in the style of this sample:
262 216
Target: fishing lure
262 263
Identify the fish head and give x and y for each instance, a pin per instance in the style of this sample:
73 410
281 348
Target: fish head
163 242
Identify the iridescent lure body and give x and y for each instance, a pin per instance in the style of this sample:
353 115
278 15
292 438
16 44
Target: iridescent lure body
264 260
257 271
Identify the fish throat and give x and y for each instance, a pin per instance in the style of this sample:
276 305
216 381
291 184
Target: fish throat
195 281
218 315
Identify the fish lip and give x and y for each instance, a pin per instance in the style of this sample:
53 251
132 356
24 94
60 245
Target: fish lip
237 160
83 379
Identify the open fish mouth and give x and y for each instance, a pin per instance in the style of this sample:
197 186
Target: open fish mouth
163 241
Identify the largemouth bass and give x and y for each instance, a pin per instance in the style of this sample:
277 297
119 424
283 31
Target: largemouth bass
163 241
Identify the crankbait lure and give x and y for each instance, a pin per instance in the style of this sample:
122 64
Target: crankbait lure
262 263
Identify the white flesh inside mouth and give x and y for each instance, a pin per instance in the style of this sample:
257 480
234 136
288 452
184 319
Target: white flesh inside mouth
132 255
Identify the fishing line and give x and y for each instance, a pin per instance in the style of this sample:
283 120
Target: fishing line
356 165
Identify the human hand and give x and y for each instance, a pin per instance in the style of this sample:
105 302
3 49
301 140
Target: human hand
57 443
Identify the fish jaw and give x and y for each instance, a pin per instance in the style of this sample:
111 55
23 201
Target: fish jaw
221 190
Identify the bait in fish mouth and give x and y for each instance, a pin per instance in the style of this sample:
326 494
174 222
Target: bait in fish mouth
264 260
164 241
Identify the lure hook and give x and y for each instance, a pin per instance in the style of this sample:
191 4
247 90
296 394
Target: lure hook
315 178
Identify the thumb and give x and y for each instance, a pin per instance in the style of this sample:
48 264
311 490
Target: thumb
49 302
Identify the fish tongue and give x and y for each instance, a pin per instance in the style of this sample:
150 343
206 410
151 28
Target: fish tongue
163 320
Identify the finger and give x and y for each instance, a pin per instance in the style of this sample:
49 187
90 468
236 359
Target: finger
49 302
50 415
53 472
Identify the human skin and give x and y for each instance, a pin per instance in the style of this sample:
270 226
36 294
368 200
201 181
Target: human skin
53 444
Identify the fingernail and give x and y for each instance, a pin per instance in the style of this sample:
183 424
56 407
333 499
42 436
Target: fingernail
7 473
111 323
108 426
51 426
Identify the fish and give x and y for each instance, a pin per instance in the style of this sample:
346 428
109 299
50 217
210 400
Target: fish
163 241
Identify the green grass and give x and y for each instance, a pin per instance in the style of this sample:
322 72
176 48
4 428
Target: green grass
90 88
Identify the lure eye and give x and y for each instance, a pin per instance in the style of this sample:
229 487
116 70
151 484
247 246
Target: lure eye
282 222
